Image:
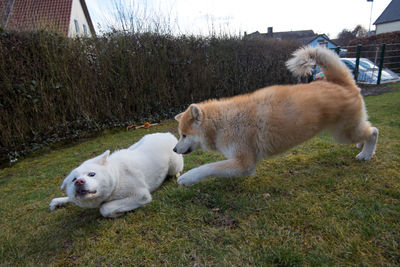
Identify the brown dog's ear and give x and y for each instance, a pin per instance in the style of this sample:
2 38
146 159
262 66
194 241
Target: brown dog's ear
178 117
197 113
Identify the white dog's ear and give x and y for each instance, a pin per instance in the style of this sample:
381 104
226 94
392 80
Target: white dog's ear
197 113
62 187
102 159
64 183
178 117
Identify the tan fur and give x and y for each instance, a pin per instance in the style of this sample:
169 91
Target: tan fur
269 121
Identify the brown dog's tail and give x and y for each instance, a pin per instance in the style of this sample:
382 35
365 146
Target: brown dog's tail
335 71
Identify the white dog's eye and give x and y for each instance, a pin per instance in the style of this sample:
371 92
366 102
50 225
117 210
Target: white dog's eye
91 174
183 135
73 180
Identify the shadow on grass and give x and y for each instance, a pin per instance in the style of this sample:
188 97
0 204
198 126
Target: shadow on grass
57 238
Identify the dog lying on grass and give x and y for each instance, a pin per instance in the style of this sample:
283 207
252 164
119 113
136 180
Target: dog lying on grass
269 121
122 181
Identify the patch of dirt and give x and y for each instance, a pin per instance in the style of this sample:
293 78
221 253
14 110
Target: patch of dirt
372 90
219 220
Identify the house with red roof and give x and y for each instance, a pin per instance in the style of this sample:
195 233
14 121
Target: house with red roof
68 17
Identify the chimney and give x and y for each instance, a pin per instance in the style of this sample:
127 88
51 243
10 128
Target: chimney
270 31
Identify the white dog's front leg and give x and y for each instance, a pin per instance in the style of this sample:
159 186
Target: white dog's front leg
225 168
117 207
58 202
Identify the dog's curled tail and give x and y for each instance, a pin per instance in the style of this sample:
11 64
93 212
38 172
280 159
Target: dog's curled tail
335 71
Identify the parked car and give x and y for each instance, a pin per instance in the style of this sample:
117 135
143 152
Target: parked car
367 71
342 52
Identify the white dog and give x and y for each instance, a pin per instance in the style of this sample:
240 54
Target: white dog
122 181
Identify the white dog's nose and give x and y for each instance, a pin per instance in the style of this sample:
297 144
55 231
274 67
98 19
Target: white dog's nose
80 181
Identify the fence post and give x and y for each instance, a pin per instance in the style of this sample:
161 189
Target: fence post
337 50
357 62
383 47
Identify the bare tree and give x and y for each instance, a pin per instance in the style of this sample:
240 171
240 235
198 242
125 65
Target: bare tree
345 36
138 16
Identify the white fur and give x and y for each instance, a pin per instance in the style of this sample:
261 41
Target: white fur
123 180
369 146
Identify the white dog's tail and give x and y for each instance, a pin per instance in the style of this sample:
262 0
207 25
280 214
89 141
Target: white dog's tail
334 69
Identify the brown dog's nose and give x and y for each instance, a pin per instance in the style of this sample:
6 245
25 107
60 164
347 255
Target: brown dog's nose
175 150
80 181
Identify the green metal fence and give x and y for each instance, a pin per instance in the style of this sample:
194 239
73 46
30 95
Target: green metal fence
372 63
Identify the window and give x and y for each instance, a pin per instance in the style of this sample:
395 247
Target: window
76 26
85 32
348 64
322 43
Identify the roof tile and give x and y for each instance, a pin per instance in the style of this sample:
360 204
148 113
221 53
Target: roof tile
34 14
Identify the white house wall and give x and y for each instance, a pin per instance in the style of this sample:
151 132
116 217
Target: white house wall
388 27
77 14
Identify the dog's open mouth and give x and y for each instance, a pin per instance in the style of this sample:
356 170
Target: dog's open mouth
80 192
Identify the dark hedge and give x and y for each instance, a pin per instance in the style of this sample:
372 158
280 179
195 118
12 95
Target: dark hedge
54 88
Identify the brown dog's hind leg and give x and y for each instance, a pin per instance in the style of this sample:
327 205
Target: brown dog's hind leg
365 136
369 146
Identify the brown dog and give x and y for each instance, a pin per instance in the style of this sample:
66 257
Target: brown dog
269 121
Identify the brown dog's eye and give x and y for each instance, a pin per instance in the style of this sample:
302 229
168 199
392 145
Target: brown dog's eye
91 174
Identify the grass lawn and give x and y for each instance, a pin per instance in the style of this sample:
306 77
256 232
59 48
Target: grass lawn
315 205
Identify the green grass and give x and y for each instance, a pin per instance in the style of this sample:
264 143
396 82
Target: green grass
324 208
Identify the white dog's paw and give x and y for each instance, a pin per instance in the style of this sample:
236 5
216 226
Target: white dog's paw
52 207
110 213
186 179
58 202
54 204
364 156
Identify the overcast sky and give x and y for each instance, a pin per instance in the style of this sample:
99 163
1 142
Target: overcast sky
239 16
